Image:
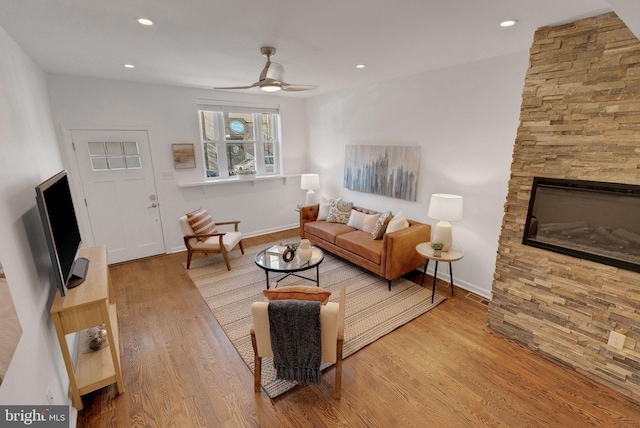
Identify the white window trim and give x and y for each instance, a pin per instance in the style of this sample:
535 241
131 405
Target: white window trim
221 143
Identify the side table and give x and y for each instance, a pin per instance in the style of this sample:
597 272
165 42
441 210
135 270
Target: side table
454 254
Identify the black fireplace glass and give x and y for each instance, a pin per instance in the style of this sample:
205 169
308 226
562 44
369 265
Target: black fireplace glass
591 220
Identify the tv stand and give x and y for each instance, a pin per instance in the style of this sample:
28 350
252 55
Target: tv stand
85 307
78 272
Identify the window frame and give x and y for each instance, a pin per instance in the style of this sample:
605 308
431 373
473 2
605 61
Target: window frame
258 141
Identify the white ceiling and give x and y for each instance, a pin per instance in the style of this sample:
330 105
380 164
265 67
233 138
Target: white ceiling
209 43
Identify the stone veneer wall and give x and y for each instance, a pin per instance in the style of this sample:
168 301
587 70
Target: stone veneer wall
580 119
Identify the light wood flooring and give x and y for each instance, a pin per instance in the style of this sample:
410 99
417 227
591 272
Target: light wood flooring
444 369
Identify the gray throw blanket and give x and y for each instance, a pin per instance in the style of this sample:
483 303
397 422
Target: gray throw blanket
295 340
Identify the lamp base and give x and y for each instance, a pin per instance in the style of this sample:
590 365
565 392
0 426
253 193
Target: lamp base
311 198
443 233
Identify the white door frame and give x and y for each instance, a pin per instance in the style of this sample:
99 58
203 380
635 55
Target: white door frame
75 181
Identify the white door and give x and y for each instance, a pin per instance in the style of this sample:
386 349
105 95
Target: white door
120 192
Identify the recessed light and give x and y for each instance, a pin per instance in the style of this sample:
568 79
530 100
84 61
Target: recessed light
145 21
509 23
129 66
360 66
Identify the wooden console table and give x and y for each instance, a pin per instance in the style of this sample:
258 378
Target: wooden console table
89 304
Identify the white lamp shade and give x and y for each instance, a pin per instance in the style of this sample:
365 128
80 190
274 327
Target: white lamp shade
310 181
445 207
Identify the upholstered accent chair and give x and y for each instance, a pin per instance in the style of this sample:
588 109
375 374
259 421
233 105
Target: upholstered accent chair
218 242
332 337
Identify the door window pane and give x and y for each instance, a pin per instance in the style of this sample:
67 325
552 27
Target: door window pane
99 164
96 149
114 148
116 163
130 148
133 162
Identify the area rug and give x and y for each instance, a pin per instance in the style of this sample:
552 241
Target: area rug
371 311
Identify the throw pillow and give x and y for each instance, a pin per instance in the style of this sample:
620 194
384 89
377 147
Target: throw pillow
339 211
323 212
362 221
369 221
201 223
298 292
398 222
381 225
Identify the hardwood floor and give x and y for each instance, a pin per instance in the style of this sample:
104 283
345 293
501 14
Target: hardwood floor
444 369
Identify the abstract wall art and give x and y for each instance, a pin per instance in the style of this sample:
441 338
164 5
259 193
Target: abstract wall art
383 170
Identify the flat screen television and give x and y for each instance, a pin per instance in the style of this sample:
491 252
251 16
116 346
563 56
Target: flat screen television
61 231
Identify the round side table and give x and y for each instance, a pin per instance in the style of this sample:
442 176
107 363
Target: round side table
453 255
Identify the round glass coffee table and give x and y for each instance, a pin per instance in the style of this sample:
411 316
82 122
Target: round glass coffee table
270 259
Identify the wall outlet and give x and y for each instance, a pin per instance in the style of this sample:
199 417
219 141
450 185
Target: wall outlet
616 340
49 396
167 175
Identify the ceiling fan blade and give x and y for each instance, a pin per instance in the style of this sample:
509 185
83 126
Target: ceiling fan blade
271 77
293 87
273 71
241 87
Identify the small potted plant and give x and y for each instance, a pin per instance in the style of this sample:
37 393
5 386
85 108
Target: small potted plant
437 248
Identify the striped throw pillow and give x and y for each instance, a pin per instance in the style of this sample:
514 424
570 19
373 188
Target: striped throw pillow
201 222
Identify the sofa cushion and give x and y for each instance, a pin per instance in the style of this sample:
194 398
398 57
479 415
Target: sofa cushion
362 244
201 223
339 211
323 213
381 225
398 222
326 231
362 221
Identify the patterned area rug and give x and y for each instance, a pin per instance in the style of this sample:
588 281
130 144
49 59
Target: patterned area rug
371 311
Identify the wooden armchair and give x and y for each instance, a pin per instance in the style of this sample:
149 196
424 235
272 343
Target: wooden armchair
332 337
221 242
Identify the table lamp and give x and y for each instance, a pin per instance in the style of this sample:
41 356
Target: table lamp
310 182
445 208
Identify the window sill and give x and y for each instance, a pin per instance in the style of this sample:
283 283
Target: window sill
224 181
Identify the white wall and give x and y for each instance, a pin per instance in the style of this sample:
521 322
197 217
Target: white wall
170 115
29 153
465 119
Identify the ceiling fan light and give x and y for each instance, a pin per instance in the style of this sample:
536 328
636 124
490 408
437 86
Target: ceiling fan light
270 87
145 21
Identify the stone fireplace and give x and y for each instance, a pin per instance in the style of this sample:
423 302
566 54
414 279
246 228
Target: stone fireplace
580 120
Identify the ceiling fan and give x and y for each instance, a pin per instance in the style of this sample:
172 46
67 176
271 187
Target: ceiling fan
271 78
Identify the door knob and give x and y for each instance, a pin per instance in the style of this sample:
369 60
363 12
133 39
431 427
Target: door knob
154 205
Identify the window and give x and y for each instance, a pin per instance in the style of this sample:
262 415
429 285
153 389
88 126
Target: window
106 156
239 140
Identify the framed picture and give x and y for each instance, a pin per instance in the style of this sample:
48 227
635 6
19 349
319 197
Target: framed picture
391 171
184 156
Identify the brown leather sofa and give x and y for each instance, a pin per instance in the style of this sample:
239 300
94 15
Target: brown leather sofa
390 257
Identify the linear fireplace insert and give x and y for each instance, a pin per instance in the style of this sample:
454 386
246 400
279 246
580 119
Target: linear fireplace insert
591 220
